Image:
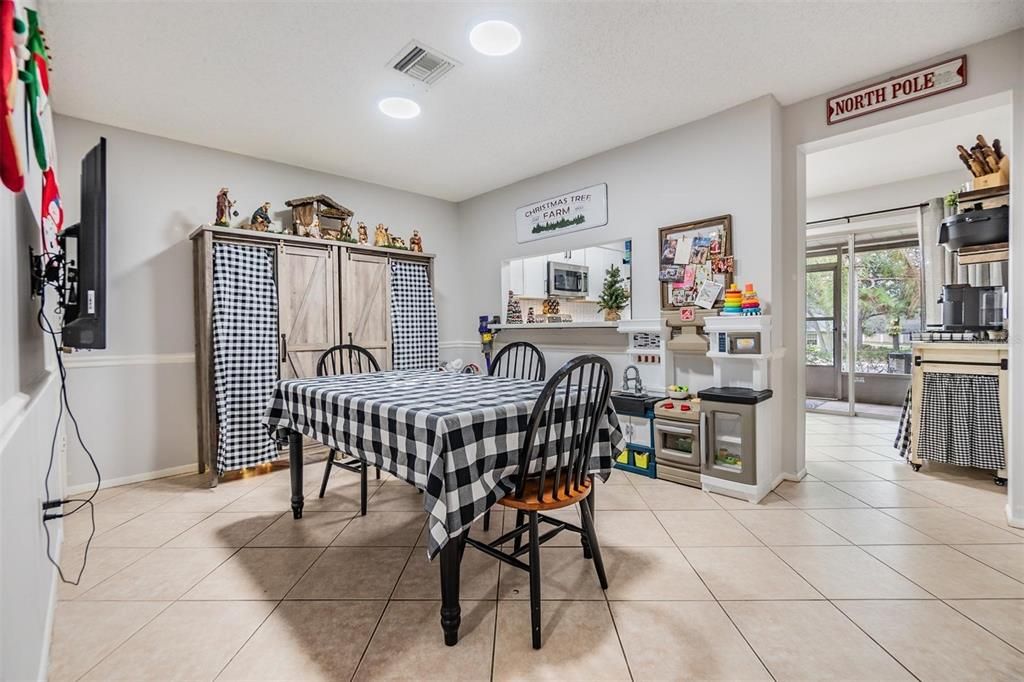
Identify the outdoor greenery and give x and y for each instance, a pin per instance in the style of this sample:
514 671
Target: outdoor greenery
888 299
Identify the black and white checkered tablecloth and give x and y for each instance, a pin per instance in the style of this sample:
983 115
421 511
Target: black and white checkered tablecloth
456 437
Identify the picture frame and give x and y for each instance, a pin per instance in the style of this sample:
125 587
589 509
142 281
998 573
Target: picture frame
718 231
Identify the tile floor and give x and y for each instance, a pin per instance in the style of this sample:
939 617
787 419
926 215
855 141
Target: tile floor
864 570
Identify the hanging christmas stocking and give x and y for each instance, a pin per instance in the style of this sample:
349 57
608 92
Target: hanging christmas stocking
12 52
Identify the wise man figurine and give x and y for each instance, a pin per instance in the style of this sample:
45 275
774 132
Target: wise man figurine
224 208
364 236
416 242
260 220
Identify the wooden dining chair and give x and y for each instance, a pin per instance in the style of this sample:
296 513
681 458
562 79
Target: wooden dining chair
554 471
517 360
347 358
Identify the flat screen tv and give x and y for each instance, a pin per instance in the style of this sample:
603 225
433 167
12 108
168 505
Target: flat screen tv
85 259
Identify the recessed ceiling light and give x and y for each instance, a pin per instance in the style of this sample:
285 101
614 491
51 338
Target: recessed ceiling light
495 38
399 107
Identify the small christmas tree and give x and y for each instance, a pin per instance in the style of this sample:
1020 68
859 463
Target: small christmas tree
614 296
514 314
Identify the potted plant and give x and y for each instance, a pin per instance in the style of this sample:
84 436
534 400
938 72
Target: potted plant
614 296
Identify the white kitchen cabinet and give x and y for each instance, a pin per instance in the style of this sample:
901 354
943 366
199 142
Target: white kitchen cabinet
515 273
535 275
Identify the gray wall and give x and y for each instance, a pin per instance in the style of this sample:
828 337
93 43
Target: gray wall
142 389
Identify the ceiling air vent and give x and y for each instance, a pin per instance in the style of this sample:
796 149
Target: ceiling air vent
423 63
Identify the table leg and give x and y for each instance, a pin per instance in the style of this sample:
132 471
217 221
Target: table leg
589 501
295 469
451 612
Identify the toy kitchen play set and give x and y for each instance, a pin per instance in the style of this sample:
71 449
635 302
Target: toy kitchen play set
720 438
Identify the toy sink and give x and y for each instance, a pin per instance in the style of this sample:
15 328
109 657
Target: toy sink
633 404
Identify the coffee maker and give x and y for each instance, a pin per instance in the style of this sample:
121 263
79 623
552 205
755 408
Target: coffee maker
972 308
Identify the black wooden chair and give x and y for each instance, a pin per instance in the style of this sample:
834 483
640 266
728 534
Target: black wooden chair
555 473
519 360
347 358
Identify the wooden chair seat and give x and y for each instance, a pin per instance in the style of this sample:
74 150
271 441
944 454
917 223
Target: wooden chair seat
547 502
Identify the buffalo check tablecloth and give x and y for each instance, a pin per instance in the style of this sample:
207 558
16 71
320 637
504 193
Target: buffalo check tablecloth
456 437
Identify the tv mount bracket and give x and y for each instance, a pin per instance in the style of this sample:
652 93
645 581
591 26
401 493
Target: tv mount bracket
44 269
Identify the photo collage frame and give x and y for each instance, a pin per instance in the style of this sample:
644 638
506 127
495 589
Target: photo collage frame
696 263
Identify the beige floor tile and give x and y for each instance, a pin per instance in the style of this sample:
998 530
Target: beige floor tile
849 573
578 637
935 642
838 471
1002 617
665 495
769 501
307 640
86 632
382 529
565 574
478 577
187 641
163 574
993 516
273 496
893 471
884 494
138 500
79 526
314 529
850 453
614 529
684 641
870 527
787 527
342 492
618 477
706 528
1006 558
149 530
396 496
103 563
808 640
409 644
255 573
225 529
960 493
953 527
747 573
812 455
816 495
203 499
651 573
947 573
353 573
618 497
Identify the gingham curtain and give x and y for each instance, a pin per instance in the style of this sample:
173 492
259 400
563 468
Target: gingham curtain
413 317
245 352
960 422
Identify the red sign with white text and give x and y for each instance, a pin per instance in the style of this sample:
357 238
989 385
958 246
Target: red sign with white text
897 90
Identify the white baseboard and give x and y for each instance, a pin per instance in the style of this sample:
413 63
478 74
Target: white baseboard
85 360
1014 521
136 478
798 476
51 607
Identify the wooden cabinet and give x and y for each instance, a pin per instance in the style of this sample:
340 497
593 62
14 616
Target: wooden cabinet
328 293
365 308
307 294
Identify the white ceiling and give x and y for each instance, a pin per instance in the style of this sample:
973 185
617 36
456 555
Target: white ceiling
298 82
912 153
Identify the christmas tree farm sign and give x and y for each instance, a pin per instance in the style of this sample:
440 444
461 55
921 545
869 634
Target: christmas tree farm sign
569 212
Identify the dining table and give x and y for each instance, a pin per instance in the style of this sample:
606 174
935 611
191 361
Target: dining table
457 437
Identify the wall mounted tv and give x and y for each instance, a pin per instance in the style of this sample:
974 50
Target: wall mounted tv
85 259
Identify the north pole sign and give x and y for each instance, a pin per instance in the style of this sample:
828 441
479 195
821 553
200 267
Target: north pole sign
931 80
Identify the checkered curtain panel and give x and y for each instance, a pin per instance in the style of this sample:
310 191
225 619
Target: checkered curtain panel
960 421
245 352
902 442
413 317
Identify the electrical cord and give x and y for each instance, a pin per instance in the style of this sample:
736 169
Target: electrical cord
64 406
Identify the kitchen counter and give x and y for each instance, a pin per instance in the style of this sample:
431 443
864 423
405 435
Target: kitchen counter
961 345
588 324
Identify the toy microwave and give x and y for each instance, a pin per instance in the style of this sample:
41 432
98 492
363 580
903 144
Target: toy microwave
738 335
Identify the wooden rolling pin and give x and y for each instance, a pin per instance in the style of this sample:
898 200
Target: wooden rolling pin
976 167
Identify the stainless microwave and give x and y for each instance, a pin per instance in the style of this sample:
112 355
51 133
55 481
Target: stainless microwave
565 279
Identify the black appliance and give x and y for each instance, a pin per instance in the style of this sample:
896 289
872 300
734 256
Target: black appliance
85 259
967 307
972 228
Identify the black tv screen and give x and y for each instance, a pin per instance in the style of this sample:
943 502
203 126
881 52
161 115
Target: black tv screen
85 258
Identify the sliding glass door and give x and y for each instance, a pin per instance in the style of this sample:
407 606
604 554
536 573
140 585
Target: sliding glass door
822 327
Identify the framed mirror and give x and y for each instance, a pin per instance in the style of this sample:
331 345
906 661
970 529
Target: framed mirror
691 254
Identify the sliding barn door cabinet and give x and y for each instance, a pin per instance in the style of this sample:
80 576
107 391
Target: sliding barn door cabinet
328 293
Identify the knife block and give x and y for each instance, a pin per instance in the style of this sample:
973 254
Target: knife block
997 179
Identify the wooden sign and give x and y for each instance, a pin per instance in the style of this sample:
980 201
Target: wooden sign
570 212
931 80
